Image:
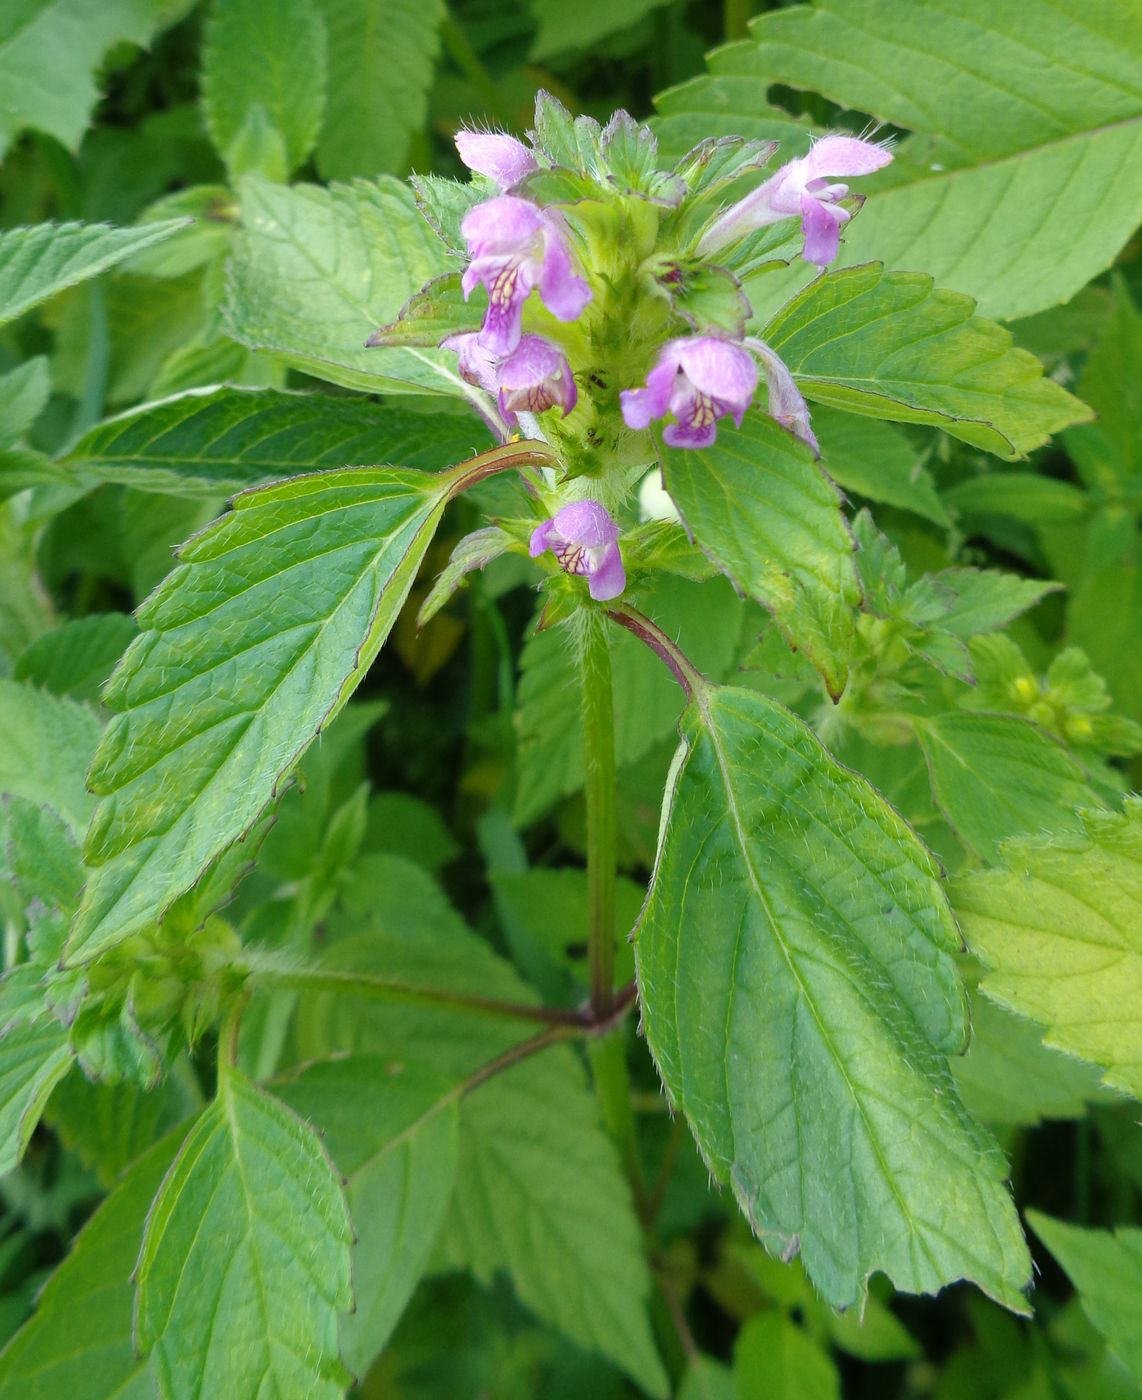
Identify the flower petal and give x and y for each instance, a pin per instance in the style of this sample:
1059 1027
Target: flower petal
642 406
821 224
501 225
608 578
786 404
586 523
719 369
543 538
564 294
845 155
501 158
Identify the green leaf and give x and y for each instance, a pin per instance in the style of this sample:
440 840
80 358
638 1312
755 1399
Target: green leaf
78 1342
1026 119
382 57
774 1359
77 658
893 345
1025 496
1105 619
799 994
705 620
46 744
995 776
1108 452
1009 1076
253 1179
212 441
34 1057
68 40
409 826
392 1129
759 507
39 261
539 1194
563 30
23 393
1059 931
315 271
1106 1270
247 651
872 458
264 62
474 551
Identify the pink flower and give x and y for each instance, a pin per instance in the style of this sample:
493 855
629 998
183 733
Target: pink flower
515 246
585 540
803 187
698 379
786 403
502 158
477 365
535 377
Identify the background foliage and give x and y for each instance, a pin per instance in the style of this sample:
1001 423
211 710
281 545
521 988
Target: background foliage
225 185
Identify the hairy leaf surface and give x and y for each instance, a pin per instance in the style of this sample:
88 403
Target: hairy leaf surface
799 994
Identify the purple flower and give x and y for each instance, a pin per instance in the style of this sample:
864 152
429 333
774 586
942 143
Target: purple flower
698 379
786 403
514 247
803 187
502 158
585 540
477 365
534 377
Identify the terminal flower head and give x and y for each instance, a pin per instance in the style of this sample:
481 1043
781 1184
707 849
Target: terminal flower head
698 379
502 158
535 377
804 186
515 246
585 540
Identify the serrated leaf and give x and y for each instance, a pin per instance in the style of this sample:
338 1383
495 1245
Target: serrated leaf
1108 452
1106 1270
757 504
23 393
34 1057
562 30
38 261
67 39
1059 928
799 994
78 1341
873 458
774 1359
968 602
1036 500
262 1321
893 345
213 441
264 56
474 551
382 55
530 1138
247 650
392 1129
995 776
1013 189
315 271
77 658
46 744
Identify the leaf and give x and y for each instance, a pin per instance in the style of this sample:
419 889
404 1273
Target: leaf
38 261
530 1138
1106 1270
267 57
68 40
78 1341
1013 188
995 776
316 270
247 651
77 658
759 507
23 393
46 744
34 1057
475 551
562 30
1108 452
1058 928
382 57
392 1130
968 602
868 456
210 441
774 1359
892 345
705 621
261 1320
799 994
1034 499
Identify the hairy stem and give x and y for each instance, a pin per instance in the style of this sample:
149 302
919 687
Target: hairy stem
681 667
599 754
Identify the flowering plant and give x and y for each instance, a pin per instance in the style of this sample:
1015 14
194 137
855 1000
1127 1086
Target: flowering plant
692 912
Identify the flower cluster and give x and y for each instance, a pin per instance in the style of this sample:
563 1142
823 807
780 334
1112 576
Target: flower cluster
645 262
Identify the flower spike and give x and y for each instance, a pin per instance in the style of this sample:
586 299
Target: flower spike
585 540
803 187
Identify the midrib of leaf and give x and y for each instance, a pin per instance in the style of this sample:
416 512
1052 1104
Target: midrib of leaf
734 810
